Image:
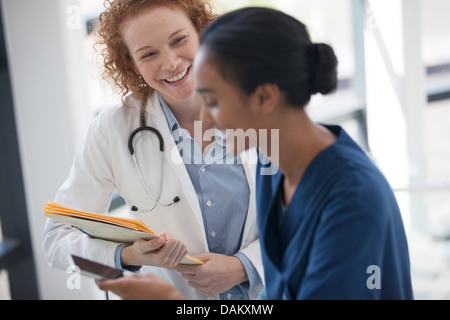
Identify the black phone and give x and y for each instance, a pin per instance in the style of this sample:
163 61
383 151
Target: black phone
96 270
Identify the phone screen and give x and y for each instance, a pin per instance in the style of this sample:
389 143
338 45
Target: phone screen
96 270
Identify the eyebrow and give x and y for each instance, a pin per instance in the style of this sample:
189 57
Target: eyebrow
170 37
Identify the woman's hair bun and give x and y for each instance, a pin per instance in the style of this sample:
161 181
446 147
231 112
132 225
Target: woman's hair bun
324 69
253 46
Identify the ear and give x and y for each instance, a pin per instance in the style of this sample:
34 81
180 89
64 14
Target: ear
267 98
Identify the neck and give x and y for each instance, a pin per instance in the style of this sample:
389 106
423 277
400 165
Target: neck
300 141
186 111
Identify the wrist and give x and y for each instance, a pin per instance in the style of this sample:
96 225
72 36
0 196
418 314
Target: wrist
240 272
127 257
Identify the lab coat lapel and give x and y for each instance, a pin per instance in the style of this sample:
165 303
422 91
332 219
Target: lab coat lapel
249 160
173 159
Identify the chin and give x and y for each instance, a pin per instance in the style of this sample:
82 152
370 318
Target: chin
183 93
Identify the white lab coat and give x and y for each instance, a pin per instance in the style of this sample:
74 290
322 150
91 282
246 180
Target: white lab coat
103 163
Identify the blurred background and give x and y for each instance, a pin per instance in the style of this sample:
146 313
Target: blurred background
393 98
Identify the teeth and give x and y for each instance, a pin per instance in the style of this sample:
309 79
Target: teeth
178 77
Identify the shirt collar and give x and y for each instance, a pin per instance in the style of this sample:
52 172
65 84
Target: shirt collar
177 131
171 120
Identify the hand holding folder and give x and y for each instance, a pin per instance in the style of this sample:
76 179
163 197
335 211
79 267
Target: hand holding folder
116 229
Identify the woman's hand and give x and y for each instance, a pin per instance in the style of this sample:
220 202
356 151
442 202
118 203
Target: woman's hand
165 251
141 287
218 274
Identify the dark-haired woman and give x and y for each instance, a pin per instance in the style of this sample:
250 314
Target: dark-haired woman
330 227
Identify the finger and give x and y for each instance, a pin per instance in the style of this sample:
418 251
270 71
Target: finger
182 254
187 269
176 253
154 244
182 251
164 255
167 235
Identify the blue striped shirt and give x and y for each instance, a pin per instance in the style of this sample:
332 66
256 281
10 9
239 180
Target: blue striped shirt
223 194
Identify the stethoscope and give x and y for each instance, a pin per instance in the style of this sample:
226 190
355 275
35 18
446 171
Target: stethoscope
133 156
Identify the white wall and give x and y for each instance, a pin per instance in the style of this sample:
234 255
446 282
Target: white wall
45 52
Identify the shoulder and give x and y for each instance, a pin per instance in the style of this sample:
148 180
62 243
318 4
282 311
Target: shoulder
124 113
119 110
360 196
130 105
353 184
353 169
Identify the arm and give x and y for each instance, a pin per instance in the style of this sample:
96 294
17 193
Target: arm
348 240
88 187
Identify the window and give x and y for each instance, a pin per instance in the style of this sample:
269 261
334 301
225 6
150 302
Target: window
436 56
100 93
435 191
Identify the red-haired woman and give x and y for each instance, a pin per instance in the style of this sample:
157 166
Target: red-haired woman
179 184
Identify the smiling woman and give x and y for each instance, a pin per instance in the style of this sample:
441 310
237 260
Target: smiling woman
163 58
148 48
118 60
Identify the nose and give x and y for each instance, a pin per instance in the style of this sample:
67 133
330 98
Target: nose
171 60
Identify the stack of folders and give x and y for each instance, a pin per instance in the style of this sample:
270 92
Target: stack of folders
101 226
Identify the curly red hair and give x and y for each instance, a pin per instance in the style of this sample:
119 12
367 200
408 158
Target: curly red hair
118 64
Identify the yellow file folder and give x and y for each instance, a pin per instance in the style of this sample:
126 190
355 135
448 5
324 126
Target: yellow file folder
101 226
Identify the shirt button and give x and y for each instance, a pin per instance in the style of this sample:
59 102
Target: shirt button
229 296
209 203
213 234
202 170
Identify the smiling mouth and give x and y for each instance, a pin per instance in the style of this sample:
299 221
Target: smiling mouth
178 77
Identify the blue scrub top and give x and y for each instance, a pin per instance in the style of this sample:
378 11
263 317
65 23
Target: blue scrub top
342 236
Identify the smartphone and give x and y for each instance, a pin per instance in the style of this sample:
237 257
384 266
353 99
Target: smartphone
96 270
